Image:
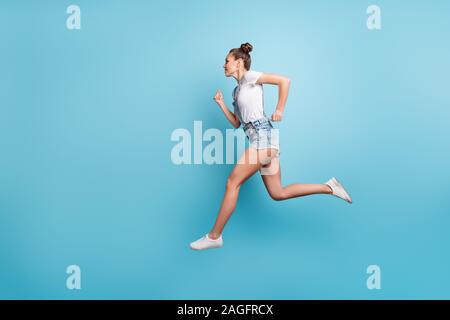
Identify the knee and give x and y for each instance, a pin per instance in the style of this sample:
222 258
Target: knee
232 184
278 196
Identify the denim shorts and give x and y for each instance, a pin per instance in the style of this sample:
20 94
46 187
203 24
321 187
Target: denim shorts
262 135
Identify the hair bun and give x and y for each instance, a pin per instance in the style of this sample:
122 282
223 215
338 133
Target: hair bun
246 47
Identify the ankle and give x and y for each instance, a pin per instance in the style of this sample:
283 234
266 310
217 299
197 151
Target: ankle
213 235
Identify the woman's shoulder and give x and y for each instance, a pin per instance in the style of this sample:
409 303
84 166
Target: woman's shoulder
251 73
251 76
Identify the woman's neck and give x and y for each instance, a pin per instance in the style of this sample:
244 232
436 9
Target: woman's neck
240 75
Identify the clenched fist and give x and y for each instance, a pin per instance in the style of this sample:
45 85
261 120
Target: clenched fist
218 97
277 116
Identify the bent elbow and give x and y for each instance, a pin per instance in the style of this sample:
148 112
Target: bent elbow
284 81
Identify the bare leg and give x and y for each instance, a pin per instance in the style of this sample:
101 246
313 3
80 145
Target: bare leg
278 192
250 162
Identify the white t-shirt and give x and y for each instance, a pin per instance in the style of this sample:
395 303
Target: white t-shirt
248 98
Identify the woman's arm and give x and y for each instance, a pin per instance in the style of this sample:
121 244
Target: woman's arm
283 84
230 115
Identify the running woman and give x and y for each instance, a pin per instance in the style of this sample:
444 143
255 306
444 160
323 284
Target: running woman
263 153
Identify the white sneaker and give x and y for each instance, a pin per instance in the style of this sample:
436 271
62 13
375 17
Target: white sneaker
338 190
207 243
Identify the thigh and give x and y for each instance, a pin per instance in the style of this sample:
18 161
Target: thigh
270 161
247 165
272 181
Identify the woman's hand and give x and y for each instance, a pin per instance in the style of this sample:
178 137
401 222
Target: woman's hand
277 116
219 97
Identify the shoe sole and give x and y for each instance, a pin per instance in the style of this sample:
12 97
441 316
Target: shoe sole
214 245
199 249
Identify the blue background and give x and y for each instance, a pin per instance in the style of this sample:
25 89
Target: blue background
86 175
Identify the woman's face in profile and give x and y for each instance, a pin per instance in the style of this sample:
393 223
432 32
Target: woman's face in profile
230 66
